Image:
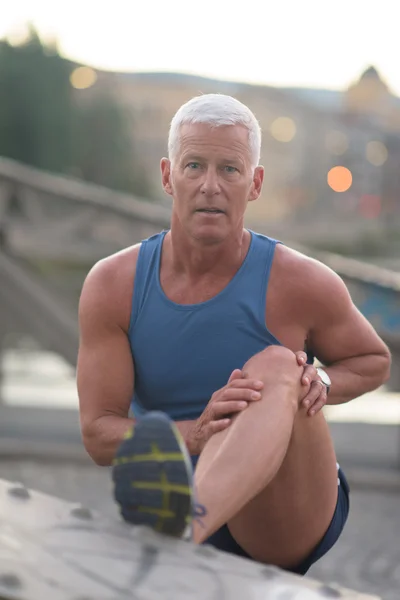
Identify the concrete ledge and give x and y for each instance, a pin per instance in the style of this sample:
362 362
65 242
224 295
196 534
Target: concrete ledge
370 478
16 449
37 424
360 477
54 550
369 454
367 444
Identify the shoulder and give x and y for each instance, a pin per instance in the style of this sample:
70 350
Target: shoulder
293 262
114 269
309 282
108 287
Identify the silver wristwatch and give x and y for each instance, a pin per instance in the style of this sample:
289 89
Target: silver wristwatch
324 377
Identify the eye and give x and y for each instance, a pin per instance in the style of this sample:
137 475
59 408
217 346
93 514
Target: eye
193 166
230 169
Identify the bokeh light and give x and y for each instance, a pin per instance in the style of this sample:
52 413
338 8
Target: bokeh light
83 77
376 153
336 142
340 179
18 35
283 129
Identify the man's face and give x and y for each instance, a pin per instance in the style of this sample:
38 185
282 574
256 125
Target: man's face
211 180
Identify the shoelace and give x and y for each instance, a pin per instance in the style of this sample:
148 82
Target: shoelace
199 511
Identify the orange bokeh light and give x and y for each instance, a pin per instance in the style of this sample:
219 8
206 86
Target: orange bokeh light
340 179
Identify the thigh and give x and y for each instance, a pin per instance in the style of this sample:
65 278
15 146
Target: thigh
223 540
288 519
334 530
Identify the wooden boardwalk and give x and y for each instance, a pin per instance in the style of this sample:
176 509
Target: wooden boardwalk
53 550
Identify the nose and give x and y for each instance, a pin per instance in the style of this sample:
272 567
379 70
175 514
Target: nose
210 184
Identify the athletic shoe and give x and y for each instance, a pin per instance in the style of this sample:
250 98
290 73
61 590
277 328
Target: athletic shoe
153 477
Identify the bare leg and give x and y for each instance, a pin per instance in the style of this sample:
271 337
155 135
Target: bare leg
271 476
238 463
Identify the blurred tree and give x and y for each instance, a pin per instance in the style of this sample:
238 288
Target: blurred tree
35 105
104 145
42 125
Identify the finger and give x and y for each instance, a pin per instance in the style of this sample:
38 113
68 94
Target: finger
222 409
236 374
313 394
254 384
239 394
219 425
309 375
320 403
301 357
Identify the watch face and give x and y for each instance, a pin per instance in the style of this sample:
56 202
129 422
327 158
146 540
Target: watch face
324 377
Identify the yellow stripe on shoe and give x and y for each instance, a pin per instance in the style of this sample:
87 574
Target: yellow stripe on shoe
163 487
161 457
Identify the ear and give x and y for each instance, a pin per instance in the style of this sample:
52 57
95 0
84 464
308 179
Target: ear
256 186
166 175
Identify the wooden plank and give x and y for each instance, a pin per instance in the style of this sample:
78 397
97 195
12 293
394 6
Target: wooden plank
53 550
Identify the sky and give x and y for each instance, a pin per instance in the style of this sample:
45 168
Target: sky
307 43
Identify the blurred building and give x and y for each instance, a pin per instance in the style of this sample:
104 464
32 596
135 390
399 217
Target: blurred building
304 139
371 96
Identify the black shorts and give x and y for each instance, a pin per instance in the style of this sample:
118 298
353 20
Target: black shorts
223 540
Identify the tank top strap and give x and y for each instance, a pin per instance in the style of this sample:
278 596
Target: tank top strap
146 273
258 272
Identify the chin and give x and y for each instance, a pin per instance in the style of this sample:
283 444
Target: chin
209 235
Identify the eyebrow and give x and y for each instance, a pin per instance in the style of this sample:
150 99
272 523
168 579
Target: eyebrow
195 158
192 157
232 160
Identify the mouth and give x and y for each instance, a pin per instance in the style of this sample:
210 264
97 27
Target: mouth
210 211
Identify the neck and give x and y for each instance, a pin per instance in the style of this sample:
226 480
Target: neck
196 258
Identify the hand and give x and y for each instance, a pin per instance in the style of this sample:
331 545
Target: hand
233 398
315 395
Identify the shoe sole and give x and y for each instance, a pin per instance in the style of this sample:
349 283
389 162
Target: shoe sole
152 475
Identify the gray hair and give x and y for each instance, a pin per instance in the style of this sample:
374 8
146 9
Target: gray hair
216 110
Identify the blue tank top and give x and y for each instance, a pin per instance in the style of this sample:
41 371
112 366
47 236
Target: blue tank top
184 353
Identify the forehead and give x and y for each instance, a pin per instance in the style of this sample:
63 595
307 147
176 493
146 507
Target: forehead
206 139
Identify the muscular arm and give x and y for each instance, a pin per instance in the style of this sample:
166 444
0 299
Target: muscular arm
105 374
357 359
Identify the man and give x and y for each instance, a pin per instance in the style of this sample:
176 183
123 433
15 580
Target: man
203 327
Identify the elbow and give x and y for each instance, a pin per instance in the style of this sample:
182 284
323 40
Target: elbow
98 458
385 366
94 447
100 461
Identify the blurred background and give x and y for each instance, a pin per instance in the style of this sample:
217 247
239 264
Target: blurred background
87 93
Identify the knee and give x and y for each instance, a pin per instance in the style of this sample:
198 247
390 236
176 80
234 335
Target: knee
279 353
274 362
